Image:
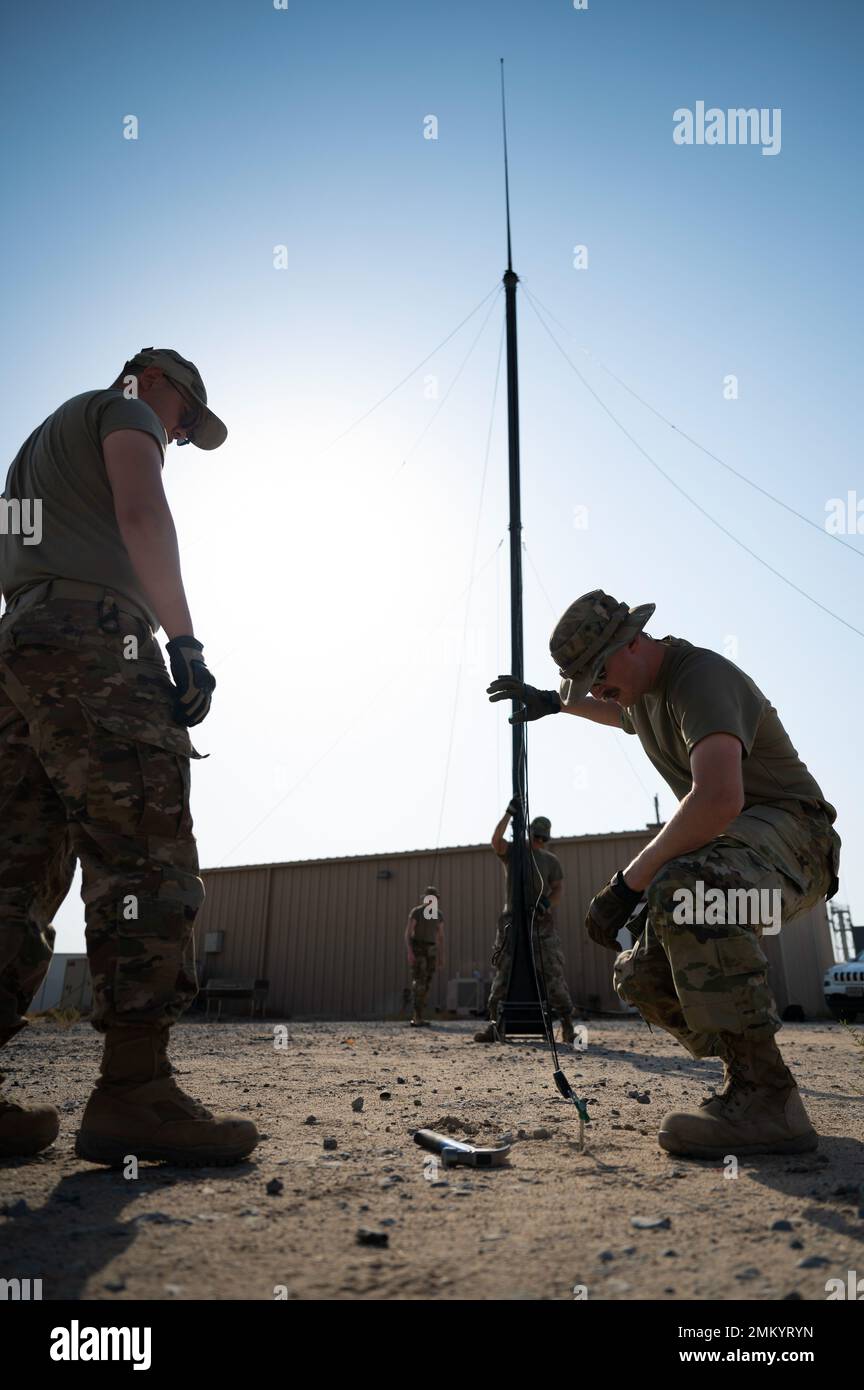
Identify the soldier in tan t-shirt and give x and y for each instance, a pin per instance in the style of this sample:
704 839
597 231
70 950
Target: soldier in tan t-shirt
750 846
424 946
95 753
545 897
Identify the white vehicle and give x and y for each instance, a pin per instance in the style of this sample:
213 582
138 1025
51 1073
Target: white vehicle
844 988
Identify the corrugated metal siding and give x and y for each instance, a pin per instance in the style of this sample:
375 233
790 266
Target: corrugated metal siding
328 934
799 955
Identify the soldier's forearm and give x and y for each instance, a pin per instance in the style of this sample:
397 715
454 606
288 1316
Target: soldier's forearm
151 541
698 819
498 840
600 711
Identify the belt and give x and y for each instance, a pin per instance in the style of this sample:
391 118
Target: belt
76 589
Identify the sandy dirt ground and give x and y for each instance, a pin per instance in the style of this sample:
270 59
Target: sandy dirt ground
286 1223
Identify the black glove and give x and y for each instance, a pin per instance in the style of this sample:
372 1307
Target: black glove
535 703
610 910
514 805
544 905
195 684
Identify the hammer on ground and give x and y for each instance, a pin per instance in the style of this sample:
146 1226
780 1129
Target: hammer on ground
454 1151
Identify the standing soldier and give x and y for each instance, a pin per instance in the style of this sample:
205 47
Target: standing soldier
94 754
424 939
751 825
548 887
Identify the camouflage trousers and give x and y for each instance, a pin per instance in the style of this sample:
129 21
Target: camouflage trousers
708 976
423 972
550 964
94 768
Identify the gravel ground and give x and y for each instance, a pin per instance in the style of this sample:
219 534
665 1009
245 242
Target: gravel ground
286 1223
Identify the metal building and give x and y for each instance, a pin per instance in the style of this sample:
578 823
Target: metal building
327 934
66 985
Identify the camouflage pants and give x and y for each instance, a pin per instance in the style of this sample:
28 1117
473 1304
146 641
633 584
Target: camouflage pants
703 978
423 972
550 964
94 768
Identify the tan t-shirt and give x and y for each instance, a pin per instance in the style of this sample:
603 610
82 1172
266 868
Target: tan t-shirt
547 872
62 465
698 693
425 928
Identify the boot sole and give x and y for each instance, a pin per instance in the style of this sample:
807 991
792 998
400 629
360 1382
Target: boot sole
113 1153
799 1144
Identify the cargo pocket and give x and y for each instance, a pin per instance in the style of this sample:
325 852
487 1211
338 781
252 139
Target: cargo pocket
33 629
772 839
138 774
741 955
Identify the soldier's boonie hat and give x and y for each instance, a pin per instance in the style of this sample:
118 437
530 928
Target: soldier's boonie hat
431 890
593 627
210 432
541 825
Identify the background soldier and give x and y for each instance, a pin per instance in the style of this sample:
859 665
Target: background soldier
750 816
546 893
424 943
94 755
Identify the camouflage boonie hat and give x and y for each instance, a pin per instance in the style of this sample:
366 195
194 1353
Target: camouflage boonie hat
586 635
541 825
431 890
210 432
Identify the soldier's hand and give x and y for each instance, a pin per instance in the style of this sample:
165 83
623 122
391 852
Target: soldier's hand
194 683
514 805
544 904
610 910
534 703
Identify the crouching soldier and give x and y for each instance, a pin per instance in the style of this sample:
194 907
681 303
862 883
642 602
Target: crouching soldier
750 817
548 887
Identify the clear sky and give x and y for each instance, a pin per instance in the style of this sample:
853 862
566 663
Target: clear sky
328 580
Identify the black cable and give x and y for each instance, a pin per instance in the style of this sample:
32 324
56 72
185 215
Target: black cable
533 934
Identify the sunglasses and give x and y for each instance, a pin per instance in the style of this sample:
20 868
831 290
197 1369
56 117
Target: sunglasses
192 416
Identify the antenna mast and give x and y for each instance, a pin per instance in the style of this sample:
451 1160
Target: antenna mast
520 1012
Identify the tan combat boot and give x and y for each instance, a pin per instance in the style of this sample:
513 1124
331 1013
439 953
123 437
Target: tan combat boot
137 1109
489 1034
759 1110
25 1129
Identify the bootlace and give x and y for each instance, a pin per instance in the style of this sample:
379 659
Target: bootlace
735 1088
199 1111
